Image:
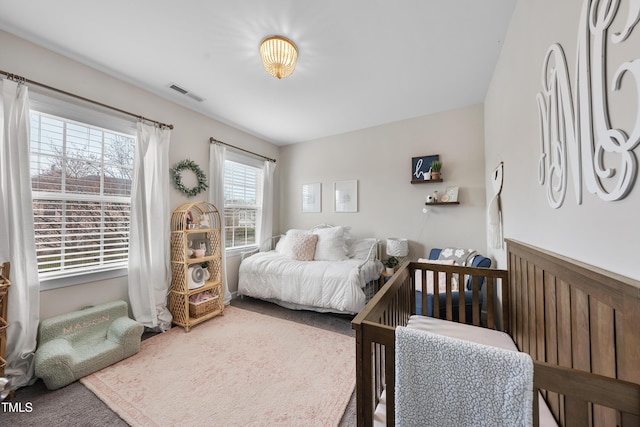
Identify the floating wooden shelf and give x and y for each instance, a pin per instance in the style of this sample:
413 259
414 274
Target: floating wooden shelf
442 203
426 181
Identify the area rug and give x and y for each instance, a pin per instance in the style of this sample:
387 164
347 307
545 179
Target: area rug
240 369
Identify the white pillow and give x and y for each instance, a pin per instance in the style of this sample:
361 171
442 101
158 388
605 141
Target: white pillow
360 248
330 246
280 243
349 240
442 277
286 247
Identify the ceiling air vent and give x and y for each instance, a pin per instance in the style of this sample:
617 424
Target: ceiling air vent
194 96
185 92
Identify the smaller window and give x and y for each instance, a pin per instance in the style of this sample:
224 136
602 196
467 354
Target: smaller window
242 202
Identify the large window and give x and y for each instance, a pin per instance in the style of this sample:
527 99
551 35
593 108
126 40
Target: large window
242 202
81 180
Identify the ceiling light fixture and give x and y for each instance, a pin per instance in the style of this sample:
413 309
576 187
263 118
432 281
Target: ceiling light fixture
279 56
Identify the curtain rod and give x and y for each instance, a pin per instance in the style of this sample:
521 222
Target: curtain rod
21 79
212 140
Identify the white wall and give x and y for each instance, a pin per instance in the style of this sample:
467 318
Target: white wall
389 205
605 234
189 139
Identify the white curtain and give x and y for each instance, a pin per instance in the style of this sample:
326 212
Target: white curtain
217 156
266 217
17 238
149 253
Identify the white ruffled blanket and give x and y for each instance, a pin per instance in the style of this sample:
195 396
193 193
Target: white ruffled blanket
319 285
443 381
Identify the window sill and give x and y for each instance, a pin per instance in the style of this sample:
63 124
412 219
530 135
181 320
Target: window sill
81 278
233 252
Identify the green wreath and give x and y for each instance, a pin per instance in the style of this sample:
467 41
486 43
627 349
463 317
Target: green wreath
176 175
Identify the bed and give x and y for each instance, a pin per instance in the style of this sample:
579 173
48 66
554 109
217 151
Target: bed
578 323
323 269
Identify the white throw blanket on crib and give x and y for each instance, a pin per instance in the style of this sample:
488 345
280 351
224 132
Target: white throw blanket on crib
442 381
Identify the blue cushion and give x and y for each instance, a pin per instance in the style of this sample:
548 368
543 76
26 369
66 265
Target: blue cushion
478 261
468 298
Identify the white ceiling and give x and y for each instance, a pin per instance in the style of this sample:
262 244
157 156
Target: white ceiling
361 63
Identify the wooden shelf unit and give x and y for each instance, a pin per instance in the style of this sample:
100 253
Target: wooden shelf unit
185 215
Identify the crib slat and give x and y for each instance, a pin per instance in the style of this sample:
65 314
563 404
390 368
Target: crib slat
628 341
436 301
564 324
532 298
423 293
540 313
365 378
629 420
475 300
602 358
526 308
513 299
576 411
461 305
551 336
390 355
377 383
448 298
580 330
507 312
519 302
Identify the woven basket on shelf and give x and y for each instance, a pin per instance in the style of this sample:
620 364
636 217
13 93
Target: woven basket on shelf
203 307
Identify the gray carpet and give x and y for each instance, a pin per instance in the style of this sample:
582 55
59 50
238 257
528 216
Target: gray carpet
75 405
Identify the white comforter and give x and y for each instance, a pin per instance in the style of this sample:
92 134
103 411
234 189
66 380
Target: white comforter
334 286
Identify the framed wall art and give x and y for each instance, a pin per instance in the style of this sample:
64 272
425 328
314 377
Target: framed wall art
420 168
346 196
450 195
312 197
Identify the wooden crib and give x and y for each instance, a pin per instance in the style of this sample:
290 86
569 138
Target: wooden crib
580 325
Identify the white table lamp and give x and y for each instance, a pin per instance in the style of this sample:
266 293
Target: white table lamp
398 247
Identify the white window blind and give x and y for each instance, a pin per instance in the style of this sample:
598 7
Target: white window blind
81 181
242 203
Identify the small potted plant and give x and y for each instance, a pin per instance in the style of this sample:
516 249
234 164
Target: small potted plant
391 263
436 165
